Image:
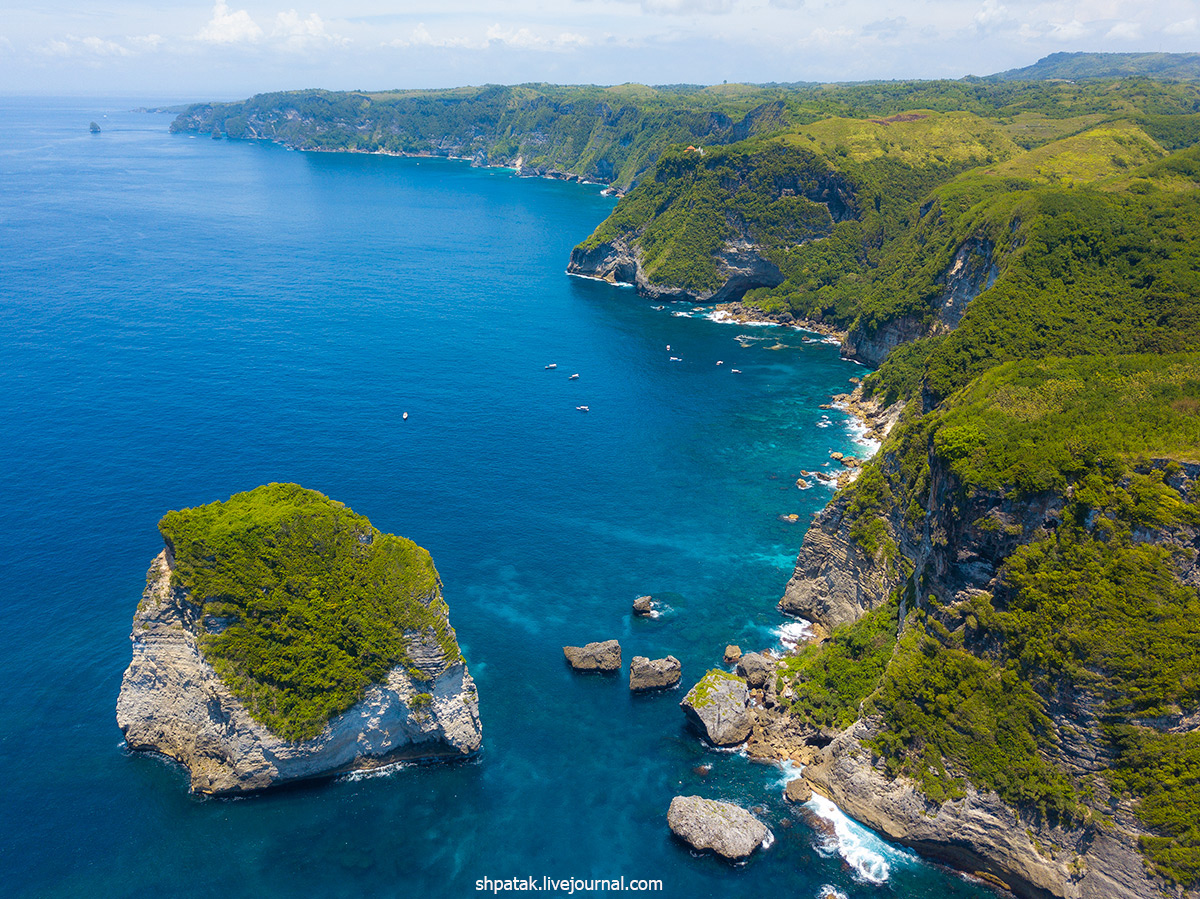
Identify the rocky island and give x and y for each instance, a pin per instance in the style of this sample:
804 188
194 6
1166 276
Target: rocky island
282 637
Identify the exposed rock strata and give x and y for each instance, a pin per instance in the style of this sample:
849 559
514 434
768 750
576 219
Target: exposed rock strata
718 706
173 702
653 674
981 834
707 825
738 263
956 551
602 656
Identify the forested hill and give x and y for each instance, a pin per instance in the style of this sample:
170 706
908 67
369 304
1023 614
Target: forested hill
612 134
1076 66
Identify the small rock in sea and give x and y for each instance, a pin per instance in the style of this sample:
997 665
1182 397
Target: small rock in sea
837 457
653 674
643 606
856 380
702 770
786 823
717 704
789 519
705 824
756 668
802 484
826 405
602 656
797 790
732 654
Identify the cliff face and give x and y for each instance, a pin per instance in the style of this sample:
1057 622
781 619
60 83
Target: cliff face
173 702
955 551
739 264
980 834
974 268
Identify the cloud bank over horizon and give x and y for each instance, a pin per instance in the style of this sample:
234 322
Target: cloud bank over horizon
233 48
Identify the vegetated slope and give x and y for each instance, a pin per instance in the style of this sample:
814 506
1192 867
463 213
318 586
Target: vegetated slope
1040 528
1076 66
614 134
1032 523
302 603
1023 550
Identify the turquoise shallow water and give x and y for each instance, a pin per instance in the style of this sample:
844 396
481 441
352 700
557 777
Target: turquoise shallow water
184 318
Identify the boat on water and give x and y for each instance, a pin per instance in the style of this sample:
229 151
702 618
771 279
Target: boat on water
573 377
405 416
583 408
551 365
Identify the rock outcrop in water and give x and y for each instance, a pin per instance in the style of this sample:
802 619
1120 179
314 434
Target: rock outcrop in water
172 701
721 827
601 656
718 706
228 588
653 674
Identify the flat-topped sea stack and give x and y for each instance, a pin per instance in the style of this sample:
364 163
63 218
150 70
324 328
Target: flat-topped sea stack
647 674
282 637
603 656
721 827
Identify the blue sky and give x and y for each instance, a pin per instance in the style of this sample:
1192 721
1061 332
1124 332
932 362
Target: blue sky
230 48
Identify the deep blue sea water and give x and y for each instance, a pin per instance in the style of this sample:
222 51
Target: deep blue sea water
183 318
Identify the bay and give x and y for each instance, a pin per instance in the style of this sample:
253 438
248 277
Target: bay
183 318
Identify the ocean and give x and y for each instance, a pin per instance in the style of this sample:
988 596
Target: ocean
183 318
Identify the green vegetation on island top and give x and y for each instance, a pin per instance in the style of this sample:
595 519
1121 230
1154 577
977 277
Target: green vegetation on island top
304 604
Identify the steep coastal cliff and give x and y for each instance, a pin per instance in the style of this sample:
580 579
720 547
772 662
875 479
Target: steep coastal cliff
221 728
1009 684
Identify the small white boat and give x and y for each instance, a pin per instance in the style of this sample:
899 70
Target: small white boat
583 408
736 371
676 359
668 347
405 416
551 365
720 362
573 377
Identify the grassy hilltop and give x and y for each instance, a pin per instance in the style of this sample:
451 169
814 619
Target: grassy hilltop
303 604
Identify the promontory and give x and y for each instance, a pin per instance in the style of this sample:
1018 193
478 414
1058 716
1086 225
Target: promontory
282 637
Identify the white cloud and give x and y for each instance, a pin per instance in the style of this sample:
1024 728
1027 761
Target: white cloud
226 27
686 7
299 34
992 14
83 47
1125 31
149 41
885 28
527 40
1187 26
522 38
422 37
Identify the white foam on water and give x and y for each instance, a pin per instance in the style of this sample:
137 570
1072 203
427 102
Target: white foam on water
768 840
828 892
792 633
788 771
869 856
372 773
824 423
